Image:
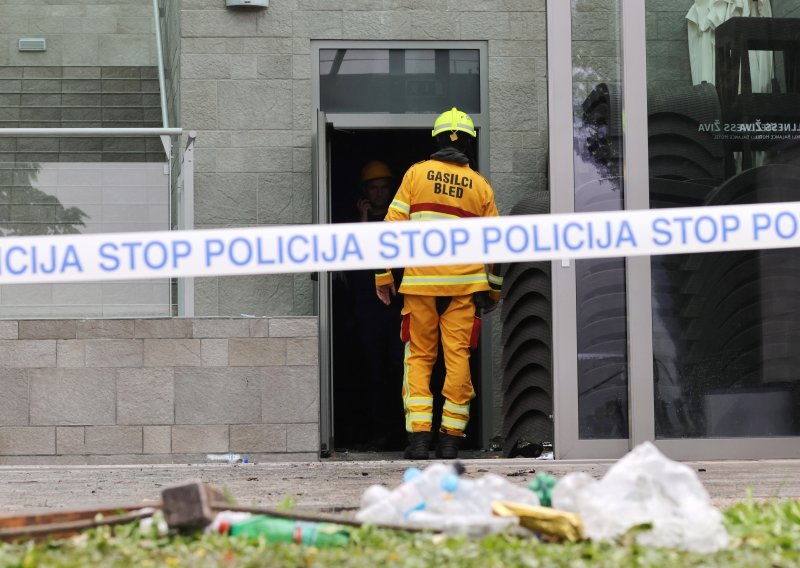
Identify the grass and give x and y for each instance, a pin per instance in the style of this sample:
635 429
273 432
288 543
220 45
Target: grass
765 534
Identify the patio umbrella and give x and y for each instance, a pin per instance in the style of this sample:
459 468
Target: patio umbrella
703 18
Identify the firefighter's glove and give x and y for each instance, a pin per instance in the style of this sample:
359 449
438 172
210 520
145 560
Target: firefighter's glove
486 302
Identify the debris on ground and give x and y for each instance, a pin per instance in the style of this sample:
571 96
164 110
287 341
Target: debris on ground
543 520
663 500
526 449
439 498
543 485
63 524
644 498
277 530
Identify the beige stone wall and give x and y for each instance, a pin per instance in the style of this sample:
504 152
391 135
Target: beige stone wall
79 32
158 390
246 88
242 79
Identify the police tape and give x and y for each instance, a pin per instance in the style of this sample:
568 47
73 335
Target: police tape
352 246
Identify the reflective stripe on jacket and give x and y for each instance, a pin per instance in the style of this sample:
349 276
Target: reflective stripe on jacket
436 190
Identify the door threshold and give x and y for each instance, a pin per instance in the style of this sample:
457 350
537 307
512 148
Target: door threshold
346 455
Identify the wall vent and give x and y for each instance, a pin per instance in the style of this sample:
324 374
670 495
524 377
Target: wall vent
247 3
33 44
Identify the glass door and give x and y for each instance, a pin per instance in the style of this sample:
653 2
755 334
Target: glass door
722 128
670 104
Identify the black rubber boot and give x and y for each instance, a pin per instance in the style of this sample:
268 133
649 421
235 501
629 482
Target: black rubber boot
447 447
418 445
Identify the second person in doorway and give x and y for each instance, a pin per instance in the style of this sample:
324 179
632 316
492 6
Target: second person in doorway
380 350
441 299
376 191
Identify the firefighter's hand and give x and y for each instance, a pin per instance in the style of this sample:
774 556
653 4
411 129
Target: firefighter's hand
492 307
385 293
486 302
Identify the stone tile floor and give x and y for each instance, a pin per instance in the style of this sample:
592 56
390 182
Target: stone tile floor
333 485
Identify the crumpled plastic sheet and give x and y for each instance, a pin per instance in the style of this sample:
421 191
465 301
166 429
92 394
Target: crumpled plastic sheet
645 487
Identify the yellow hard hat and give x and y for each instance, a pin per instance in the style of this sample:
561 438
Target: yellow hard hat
452 120
375 170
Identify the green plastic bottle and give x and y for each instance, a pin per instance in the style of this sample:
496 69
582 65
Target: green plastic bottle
287 530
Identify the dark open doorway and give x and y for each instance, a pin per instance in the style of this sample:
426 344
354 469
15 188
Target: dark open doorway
367 355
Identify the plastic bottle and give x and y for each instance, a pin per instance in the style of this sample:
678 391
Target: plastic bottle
226 458
374 494
224 520
458 497
472 525
395 506
495 488
286 530
419 489
464 496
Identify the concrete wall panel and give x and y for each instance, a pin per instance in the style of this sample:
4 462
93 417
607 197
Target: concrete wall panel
100 32
251 111
177 390
72 396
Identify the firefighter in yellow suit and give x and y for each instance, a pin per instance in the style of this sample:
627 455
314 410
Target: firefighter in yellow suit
441 299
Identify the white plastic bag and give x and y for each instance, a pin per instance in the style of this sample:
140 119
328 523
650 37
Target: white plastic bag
645 487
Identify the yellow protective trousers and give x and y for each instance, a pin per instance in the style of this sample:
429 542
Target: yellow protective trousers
420 330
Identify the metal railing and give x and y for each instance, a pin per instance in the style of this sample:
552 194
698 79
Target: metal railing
160 56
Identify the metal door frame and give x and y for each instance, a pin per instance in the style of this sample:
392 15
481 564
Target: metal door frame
375 121
568 444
